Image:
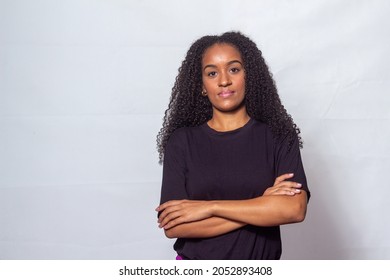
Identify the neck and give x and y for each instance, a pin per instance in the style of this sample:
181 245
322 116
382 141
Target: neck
222 121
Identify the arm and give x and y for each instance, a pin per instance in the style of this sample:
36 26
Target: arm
205 228
280 204
283 203
263 210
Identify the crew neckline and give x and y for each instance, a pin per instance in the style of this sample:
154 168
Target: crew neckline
212 131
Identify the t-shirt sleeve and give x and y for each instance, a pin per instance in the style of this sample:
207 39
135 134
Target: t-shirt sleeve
288 160
174 169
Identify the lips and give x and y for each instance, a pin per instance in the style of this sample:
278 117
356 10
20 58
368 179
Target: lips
226 93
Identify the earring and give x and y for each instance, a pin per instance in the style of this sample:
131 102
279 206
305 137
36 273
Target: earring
204 93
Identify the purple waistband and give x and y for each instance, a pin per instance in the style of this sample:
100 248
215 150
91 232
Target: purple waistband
179 258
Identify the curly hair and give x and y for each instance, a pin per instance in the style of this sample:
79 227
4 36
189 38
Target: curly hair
187 107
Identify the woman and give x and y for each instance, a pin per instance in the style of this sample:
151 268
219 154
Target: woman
232 167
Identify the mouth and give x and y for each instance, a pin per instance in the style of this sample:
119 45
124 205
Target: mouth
226 93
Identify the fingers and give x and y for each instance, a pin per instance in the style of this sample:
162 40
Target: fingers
284 188
163 206
288 189
169 211
170 219
176 212
283 177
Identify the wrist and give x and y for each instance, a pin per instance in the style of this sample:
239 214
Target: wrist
213 207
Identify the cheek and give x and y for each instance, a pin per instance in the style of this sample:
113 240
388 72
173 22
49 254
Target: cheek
209 86
205 83
241 84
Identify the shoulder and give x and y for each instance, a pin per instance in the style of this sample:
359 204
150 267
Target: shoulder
287 139
183 135
183 132
288 143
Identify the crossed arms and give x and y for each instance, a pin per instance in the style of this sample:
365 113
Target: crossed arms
283 203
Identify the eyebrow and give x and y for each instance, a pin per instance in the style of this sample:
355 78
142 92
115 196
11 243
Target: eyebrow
229 63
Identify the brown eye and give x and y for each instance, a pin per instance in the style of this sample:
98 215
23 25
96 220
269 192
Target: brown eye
212 74
235 70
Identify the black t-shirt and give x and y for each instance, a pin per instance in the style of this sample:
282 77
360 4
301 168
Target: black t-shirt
203 164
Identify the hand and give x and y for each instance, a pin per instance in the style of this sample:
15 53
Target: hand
283 187
176 212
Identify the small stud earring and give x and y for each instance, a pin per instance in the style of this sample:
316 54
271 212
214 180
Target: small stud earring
204 93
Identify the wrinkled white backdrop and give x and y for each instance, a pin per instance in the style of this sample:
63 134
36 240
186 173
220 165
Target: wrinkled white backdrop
83 88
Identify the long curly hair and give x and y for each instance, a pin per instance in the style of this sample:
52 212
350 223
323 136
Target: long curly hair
187 107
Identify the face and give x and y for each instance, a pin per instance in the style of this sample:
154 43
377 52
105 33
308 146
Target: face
223 77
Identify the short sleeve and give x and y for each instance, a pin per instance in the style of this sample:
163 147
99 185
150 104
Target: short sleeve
174 169
288 160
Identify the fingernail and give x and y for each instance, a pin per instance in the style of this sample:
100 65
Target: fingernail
299 185
297 190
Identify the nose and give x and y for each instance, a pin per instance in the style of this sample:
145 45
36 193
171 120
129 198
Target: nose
224 80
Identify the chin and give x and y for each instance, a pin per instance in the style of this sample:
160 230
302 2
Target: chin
230 108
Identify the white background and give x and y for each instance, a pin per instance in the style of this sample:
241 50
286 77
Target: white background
83 89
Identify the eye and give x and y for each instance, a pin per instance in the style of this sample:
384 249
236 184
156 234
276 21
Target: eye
235 70
212 73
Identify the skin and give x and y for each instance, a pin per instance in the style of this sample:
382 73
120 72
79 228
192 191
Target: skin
223 79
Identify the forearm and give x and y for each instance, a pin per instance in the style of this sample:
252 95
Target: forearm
281 205
263 210
206 228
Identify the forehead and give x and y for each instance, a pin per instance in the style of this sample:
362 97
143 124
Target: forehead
221 52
